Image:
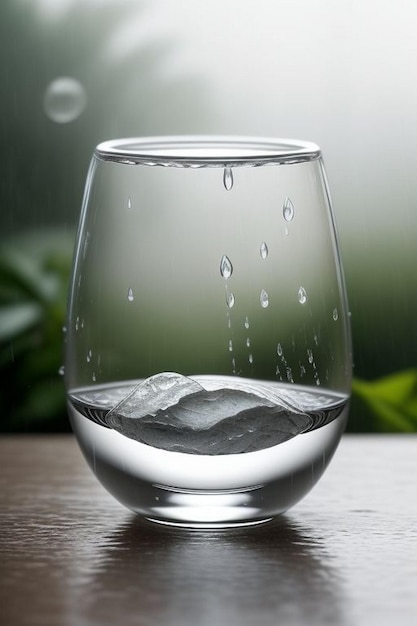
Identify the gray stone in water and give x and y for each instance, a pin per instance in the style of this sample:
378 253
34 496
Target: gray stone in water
175 413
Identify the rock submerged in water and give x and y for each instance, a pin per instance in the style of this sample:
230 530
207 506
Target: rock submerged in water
175 413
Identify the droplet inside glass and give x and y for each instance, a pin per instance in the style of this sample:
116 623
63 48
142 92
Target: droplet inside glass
264 299
228 178
230 300
302 295
263 250
288 210
226 267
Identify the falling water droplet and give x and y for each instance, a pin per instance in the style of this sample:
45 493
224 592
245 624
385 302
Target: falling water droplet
230 345
248 342
302 295
246 322
89 356
228 178
77 323
130 295
263 250
264 299
64 329
61 370
250 358
226 267
288 210
279 350
310 356
335 315
94 377
129 203
64 100
230 300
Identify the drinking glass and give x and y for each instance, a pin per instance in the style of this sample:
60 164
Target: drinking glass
208 359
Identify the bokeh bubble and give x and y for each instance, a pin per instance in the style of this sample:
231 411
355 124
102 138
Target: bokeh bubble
65 99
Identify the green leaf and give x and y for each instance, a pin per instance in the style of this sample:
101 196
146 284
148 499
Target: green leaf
16 319
22 276
392 401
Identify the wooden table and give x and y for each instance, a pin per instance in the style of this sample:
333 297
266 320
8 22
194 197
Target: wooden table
70 555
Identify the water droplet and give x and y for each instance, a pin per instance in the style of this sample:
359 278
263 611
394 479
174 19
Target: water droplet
129 203
264 299
288 210
94 377
64 100
64 329
228 178
316 340
310 356
289 375
248 342
246 322
279 350
250 358
61 370
226 267
263 250
77 323
302 370
230 345
230 300
302 295
130 295
89 356
335 315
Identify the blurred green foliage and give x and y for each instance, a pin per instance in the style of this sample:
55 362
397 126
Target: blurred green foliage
33 281
388 404
34 271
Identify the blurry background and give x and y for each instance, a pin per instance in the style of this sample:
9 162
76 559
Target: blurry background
341 74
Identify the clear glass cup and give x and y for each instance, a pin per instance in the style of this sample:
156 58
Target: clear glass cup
208 355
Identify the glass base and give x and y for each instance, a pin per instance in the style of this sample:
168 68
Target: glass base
205 510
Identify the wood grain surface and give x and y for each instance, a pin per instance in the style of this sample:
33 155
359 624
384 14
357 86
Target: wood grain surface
71 555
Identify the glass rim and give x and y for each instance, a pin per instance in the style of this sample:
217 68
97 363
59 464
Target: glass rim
206 151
